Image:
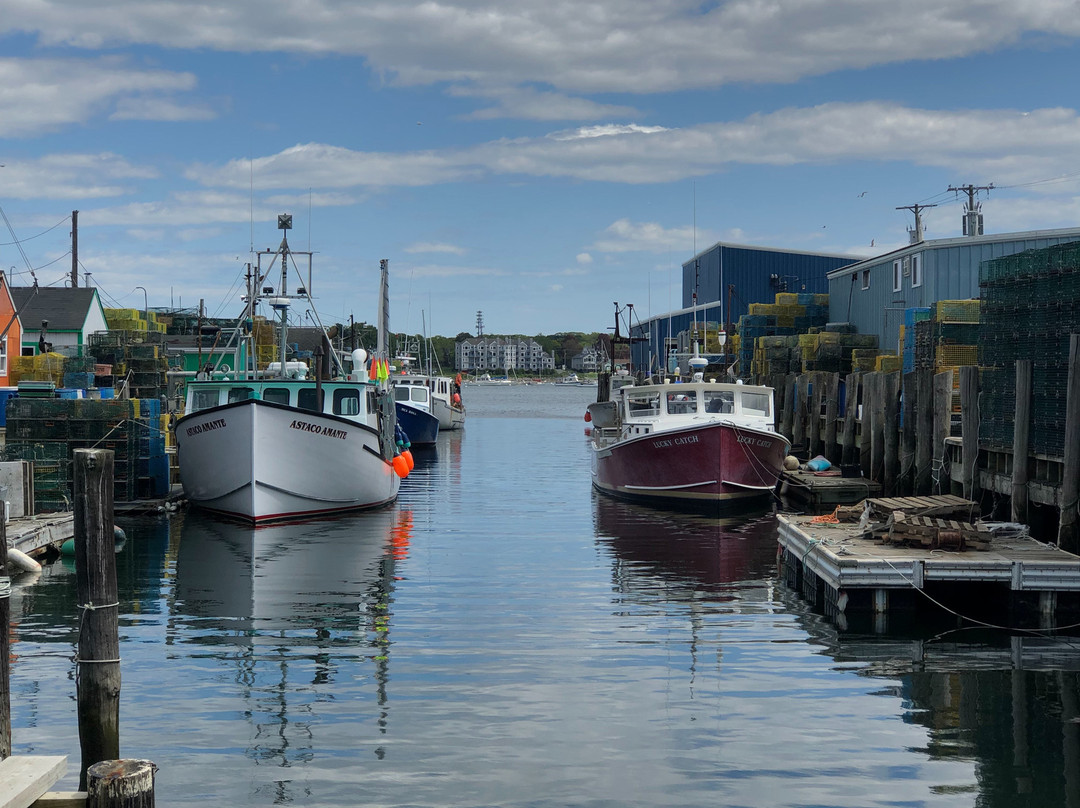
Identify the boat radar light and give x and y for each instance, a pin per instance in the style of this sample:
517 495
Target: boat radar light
268 290
301 290
279 303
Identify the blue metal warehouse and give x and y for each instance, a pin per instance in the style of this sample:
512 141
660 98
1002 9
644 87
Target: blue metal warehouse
750 274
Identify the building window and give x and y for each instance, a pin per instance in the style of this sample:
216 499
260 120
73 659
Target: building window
916 270
897 275
3 355
866 279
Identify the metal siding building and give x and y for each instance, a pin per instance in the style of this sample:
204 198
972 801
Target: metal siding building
757 274
866 293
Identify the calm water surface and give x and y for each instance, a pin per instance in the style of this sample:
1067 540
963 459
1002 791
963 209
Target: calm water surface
503 637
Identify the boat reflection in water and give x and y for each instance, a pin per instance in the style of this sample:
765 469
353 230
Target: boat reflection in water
663 549
301 616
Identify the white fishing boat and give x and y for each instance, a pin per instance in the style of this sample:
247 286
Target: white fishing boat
278 443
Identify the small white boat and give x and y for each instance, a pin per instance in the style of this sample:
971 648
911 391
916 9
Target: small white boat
278 444
485 380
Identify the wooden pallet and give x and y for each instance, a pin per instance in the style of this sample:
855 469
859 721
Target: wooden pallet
944 506
936 534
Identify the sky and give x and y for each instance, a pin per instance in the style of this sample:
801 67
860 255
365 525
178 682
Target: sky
532 160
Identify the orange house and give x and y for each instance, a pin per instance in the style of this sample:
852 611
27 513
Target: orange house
10 331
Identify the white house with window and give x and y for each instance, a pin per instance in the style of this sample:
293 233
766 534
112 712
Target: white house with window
872 294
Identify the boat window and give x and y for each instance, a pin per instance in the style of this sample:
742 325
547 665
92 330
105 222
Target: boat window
681 403
420 394
643 404
306 399
401 392
202 399
241 394
346 402
278 395
755 404
719 401
372 400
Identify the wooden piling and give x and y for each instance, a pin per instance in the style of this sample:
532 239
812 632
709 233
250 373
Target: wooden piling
788 406
98 671
942 415
866 424
924 431
1021 440
814 421
848 454
832 403
906 481
798 426
969 425
120 784
1070 481
877 427
891 393
5 643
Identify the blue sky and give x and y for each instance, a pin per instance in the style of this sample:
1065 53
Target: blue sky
535 160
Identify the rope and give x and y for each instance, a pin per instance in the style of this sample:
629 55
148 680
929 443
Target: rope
5 587
92 608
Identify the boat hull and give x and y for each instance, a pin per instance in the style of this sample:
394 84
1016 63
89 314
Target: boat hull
421 427
260 462
450 417
713 466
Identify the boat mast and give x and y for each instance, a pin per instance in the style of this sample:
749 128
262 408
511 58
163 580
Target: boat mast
284 223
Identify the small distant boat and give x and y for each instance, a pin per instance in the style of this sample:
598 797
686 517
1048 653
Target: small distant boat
573 379
485 380
274 444
696 446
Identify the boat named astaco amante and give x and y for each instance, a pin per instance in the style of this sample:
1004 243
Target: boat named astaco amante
700 445
277 443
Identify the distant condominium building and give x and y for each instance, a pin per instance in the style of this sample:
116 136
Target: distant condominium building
501 353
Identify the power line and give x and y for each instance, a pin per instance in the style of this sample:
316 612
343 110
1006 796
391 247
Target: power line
39 235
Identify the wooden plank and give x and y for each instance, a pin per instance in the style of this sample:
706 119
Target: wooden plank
848 453
832 403
25 778
1021 440
924 431
907 439
969 419
942 416
890 390
61 799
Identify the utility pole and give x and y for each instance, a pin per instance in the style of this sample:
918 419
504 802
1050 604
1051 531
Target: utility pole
973 220
916 235
74 249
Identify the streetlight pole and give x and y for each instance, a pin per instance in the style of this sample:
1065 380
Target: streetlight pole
146 306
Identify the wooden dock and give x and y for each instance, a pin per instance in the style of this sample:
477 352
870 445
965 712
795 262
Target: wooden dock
31 534
826 489
846 567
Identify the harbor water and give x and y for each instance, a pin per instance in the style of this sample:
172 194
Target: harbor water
503 636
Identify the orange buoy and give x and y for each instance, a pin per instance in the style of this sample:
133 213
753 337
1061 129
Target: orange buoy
401 466
588 416
457 398
409 459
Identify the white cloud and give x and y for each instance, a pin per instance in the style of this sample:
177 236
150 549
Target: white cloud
423 247
584 259
42 95
71 176
626 236
526 103
634 46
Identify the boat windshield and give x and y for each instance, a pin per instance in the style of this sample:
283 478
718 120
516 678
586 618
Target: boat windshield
643 403
722 401
755 404
681 403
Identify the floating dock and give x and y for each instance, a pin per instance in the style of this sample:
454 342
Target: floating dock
30 534
826 489
849 567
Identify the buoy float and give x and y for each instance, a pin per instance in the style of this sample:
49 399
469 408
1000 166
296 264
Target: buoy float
588 416
407 454
401 466
20 560
457 398
68 548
